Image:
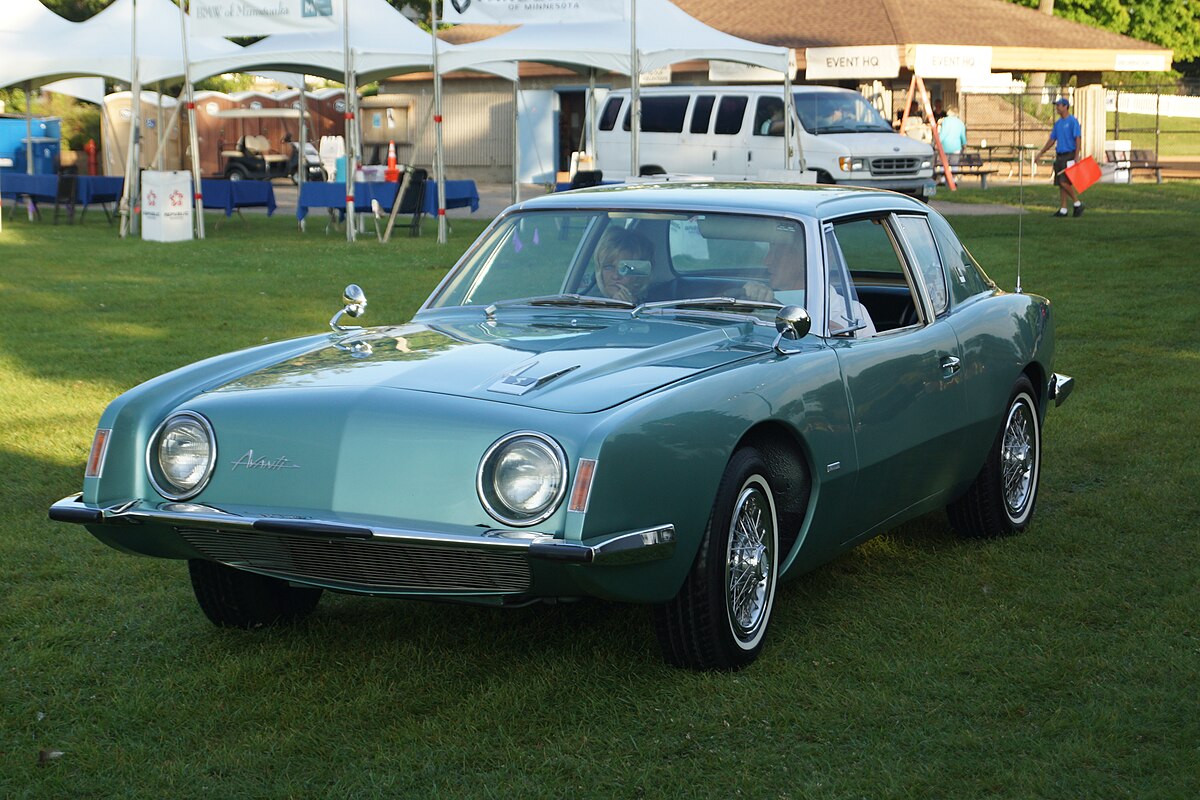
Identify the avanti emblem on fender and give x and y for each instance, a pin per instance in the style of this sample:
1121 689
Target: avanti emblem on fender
250 462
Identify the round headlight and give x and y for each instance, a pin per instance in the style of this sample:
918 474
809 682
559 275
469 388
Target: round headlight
522 478
181 455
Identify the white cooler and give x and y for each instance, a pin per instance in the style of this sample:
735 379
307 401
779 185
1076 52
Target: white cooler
167 206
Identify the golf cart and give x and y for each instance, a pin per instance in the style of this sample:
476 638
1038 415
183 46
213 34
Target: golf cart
254 158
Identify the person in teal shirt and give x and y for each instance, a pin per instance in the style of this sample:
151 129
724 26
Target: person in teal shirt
952 132
1065 138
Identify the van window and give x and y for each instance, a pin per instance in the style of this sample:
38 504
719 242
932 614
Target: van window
730 114
661 114
838 112
608 118
702 113
768 117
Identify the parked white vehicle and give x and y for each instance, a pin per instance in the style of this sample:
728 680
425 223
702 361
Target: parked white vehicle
736 133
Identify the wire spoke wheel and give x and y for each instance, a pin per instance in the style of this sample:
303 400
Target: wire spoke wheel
1017 453
748 562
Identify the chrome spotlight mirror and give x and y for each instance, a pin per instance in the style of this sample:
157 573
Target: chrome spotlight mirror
355 301
792 322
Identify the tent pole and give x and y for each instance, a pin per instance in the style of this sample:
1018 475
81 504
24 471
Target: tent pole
439 157
591 116
301 155
516 151
158 128
193 138
348 116
787 116
635 99
132 190
28 127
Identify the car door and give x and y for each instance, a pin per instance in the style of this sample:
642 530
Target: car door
901 376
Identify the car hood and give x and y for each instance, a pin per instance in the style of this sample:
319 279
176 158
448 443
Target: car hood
578 363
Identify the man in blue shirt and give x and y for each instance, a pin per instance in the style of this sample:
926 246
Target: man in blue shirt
1065 138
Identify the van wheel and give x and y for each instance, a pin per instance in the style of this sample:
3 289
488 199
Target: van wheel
825 178
651 169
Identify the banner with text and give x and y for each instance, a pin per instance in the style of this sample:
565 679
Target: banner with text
518 12
835 63
263 17
951 61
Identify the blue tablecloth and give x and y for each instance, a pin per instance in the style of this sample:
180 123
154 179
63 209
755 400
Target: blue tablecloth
229 196
99 189
459 194
39 187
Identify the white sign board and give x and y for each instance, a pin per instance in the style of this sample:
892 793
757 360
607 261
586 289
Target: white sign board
263 17
167 206
826 63
656 77
733 72
951 61
1141 62
516 12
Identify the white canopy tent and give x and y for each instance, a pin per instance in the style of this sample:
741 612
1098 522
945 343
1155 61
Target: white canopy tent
660 34
378 42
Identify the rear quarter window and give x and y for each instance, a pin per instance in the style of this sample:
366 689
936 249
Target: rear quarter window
608 117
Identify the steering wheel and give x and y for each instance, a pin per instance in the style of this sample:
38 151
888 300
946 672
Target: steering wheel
908 316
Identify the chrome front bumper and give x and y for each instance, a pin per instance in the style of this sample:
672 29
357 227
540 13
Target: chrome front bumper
626 547
1059 388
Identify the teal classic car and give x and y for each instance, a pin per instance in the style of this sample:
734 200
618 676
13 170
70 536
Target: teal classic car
670 394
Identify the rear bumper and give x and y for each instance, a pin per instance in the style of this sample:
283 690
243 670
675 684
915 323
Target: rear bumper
616 549
1059 388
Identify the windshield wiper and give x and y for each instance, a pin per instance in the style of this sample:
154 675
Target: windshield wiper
707 302
566 299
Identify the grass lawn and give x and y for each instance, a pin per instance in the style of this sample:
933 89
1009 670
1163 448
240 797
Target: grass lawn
1178 136
1063 663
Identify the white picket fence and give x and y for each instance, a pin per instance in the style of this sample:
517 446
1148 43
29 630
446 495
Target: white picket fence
1167 105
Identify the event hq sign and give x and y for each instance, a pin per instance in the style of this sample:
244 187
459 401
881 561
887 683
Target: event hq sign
263 17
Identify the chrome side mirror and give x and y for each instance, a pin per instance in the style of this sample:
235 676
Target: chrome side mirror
793 323
355 301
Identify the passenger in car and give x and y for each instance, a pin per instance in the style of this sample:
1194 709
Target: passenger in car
624 265
786 279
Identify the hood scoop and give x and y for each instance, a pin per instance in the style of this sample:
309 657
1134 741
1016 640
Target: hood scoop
526 378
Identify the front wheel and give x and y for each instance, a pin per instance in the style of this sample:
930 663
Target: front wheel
1001 500
719 618
233 598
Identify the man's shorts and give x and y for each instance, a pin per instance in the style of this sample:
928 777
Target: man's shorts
1060 164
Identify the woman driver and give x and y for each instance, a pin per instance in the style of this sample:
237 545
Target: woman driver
623 265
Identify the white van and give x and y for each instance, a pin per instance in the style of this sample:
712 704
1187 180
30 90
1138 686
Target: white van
736 133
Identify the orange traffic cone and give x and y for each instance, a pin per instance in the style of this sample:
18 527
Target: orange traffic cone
392 173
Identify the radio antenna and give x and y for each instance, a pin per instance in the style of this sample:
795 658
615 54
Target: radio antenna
1020 194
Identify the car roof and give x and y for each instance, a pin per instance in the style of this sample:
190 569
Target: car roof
744 197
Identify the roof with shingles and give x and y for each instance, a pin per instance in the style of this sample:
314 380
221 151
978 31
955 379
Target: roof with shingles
836 23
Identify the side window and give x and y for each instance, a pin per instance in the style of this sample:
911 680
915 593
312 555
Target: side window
730 114
702 113
608 117
663 114
920 239
768 117
966 278
868 288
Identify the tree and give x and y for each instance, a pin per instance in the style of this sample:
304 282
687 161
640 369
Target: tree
1168 23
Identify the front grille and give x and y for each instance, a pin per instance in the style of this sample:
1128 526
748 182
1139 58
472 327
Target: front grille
895 166
373 565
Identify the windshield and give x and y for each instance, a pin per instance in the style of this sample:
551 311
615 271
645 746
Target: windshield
838 112
622 259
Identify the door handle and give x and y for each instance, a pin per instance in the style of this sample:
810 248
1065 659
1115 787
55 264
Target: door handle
950 365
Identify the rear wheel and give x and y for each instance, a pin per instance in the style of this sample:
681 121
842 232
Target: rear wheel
1002 498
235 174
233 598
719 618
